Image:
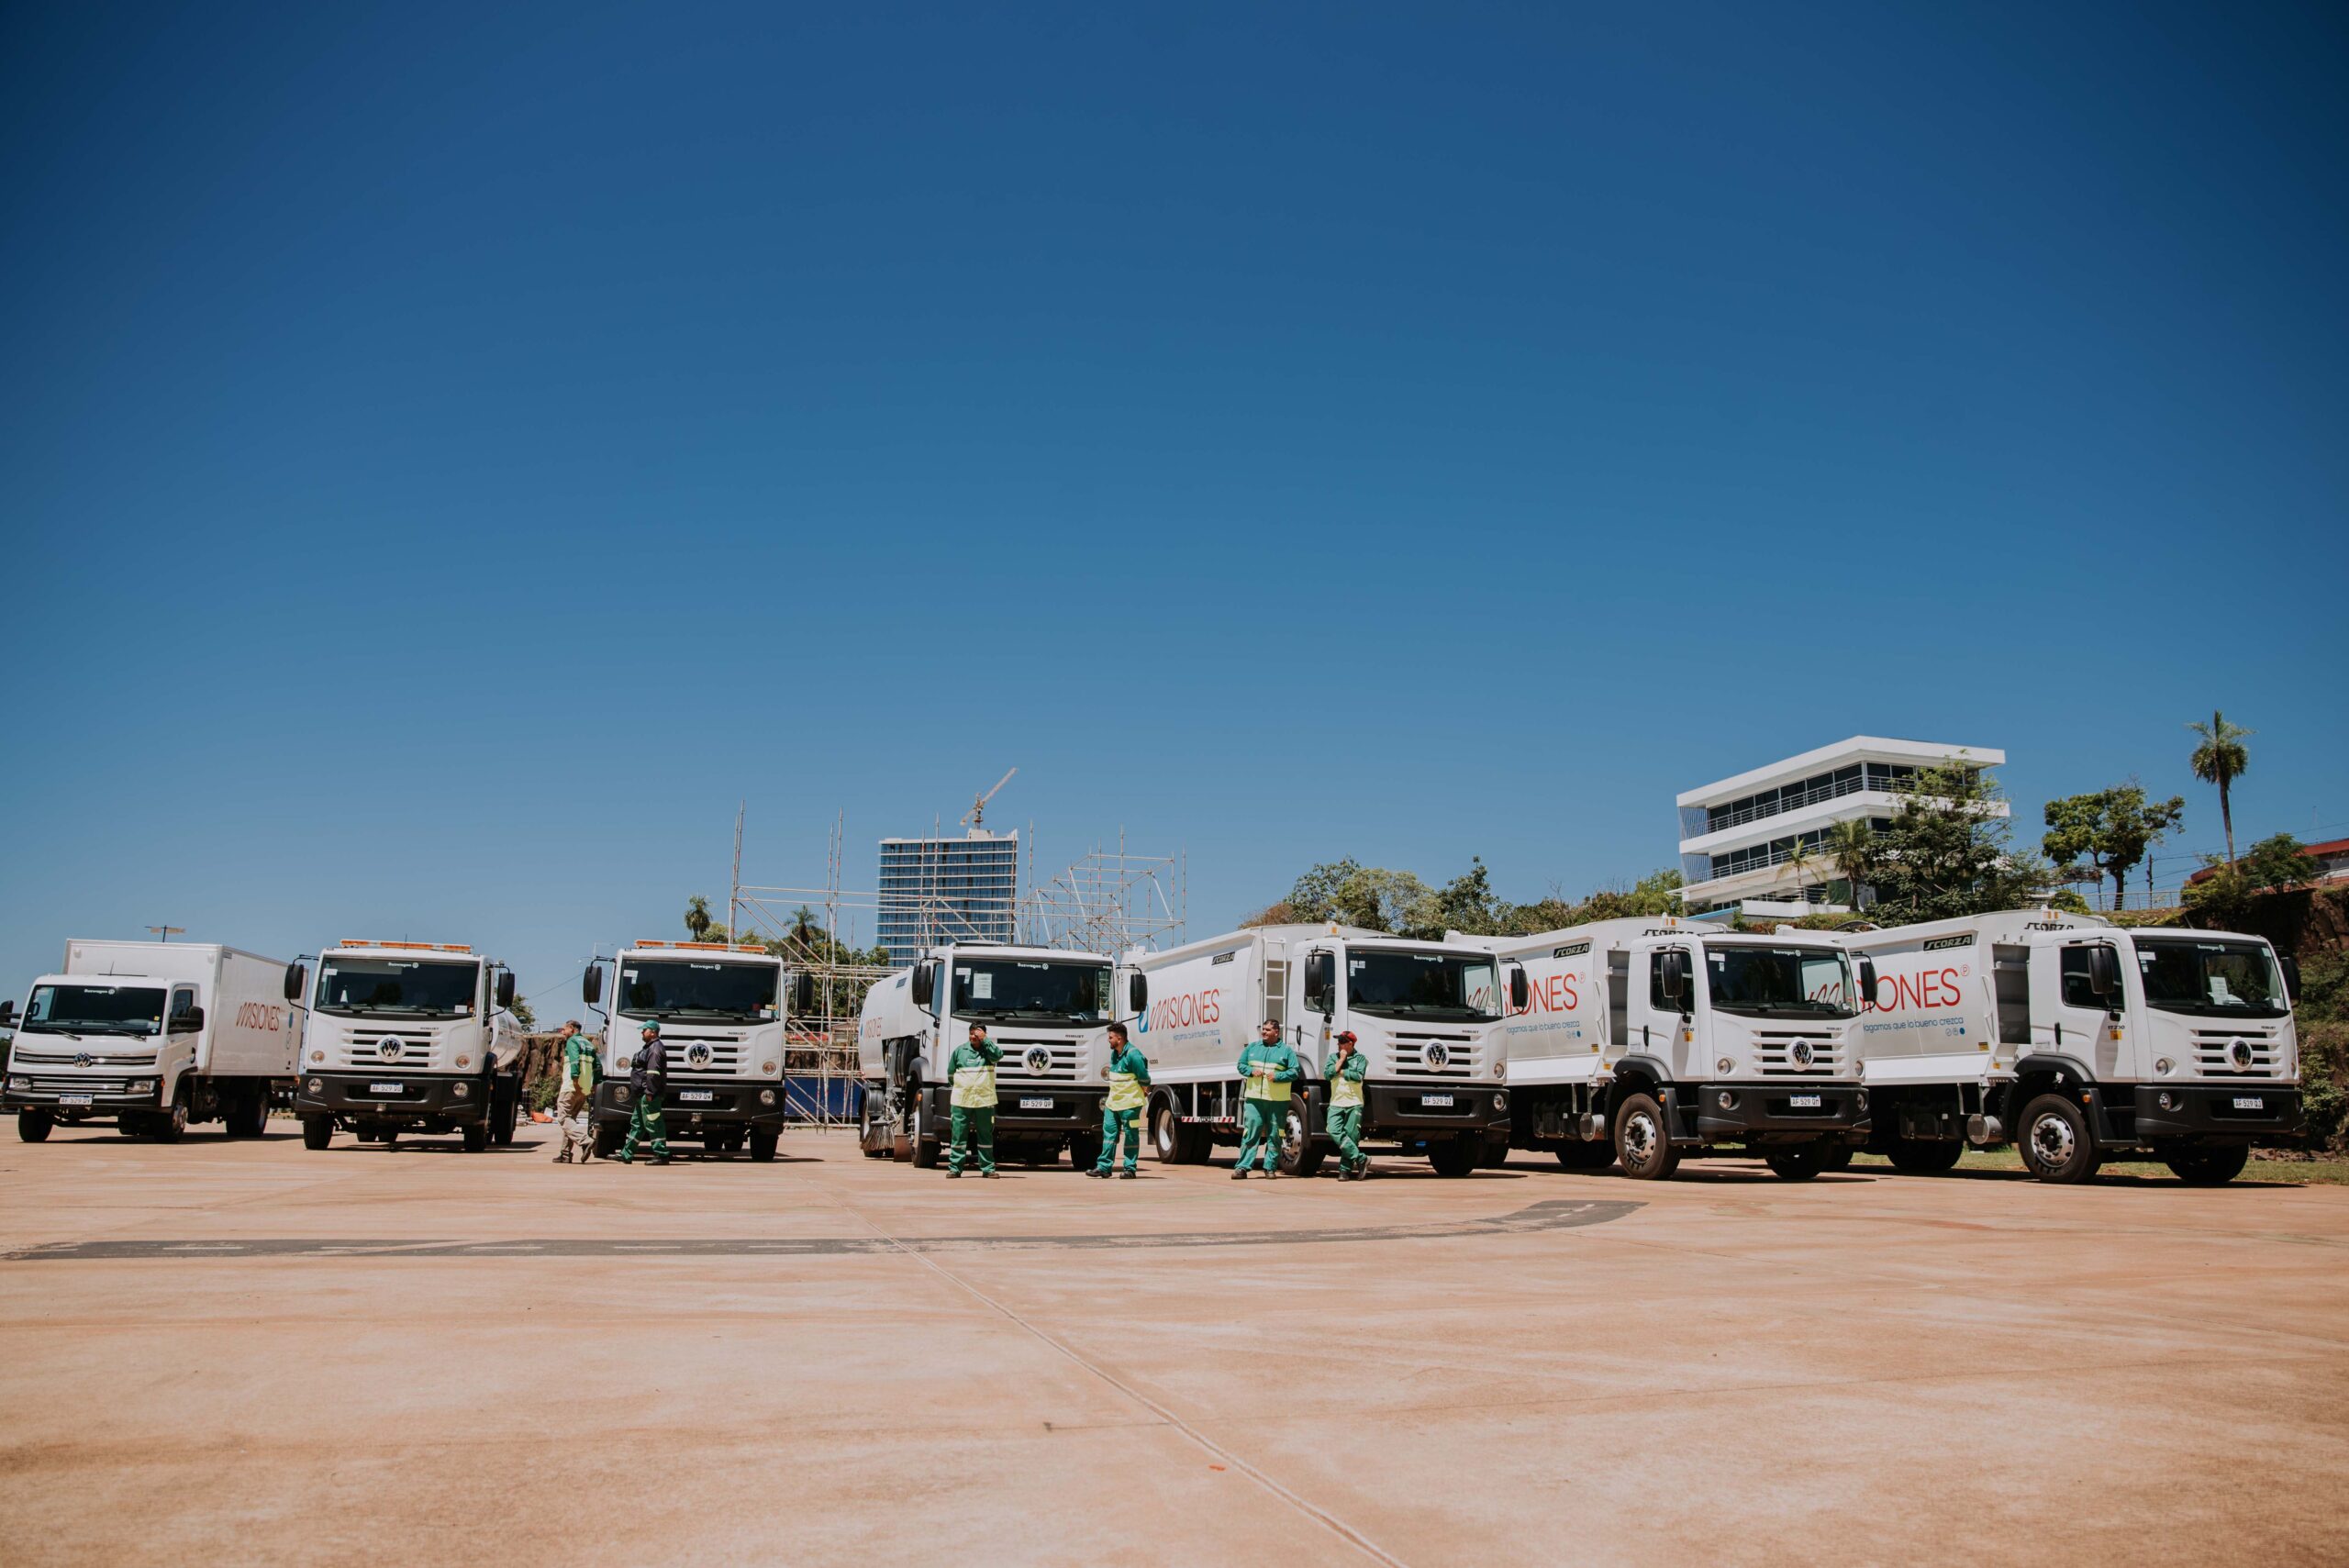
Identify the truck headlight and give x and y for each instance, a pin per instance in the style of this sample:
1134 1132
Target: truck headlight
766 1096
1726 1099
316 1057
620 1094
20 1083
142 1087
2166 1100
1860 1101
1500 1102
1500 1070
461 1089
317 1086
1725 1065
2165 1067
766 1067
464 1061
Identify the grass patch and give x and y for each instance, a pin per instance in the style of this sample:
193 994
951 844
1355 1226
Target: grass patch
2324 1171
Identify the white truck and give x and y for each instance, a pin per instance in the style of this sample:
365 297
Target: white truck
155 1037
1426 1015
1637 1041
2077 1041
720 1008
409 1037
1048 1008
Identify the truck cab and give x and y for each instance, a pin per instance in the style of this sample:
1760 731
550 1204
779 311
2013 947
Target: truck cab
1049 1009
409 1037
720 1008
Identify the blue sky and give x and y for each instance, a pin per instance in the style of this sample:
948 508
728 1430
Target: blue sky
451 454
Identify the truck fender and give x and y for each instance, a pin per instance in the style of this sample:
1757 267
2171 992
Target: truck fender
2040 1067
1637 1075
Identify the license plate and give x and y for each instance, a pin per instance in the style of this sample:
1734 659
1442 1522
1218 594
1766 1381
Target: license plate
2250 1103
387 1088
699 1096
73 1099
1803 1102
1043 1104
1431 1102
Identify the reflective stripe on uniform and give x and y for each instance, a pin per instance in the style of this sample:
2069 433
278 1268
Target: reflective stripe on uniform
1126 1092
974 1086
1344 1091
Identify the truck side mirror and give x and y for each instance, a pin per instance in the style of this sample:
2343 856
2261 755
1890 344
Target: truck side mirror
1867 986
591 984
2291 967
505 988
925 982
1672 977
1519 997
1321 982
803 994
9 1013
298 980
2104 975
183 1023
1137 993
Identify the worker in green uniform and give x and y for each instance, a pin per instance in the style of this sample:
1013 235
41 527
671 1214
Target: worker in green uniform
1267 1068
972 1067
1347 1069
647 1081
1121 1113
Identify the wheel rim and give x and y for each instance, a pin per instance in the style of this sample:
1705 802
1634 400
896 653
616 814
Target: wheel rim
2051 1139
1639 1137
1161 1134
1292 1137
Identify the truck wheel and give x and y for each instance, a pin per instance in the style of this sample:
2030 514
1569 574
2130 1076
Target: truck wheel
1299 1154
1922 1157
1455 1156
475 1133
1797 1164
2208 1167
1580 1156
501 1123
608 1135
1172 1142
1084 1150
927 1150
33 1126
762 1143
318 1131
2053 1140
1641 1143
172 1126
1835 1156
1493 1156
247 1114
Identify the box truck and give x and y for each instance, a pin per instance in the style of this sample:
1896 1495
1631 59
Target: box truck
1426 1015
2079 1041
155 1037
1050 1010
409 1037
720 1008
1640 1040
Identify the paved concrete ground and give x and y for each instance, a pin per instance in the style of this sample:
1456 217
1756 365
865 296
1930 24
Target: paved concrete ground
250 1352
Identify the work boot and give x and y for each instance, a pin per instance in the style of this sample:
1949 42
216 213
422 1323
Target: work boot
1128 1175
1095 1173
659 1160
1240 1172
953 1175
563 1158
987 1175
1272 1173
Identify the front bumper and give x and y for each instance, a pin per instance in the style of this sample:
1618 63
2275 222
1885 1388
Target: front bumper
732 1102
1071 1108
2212 1113
1780 1111
1417 1110
444 1100
53 1094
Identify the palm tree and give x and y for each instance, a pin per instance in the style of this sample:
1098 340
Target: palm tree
1851 848
1799 864
2220 760
697 921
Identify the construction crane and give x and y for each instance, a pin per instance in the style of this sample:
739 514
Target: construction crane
977 813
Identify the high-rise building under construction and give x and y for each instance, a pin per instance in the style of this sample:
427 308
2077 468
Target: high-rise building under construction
942 890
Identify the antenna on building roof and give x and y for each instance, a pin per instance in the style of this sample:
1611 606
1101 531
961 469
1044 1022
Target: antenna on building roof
977 813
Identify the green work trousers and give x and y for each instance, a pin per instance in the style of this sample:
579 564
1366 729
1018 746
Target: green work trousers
1114 1123
644 1121
1262 1123
974 1130
1345 1130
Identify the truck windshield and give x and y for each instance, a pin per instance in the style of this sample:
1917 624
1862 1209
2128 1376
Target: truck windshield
2212 979
397 987
94 1009
1423 985
1040 990
699 988
1779 982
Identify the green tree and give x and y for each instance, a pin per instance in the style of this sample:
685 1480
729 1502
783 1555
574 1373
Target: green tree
2279 861
2111 829
1658 893
524 1016
1851 848
1799 867
1466 904
697 921
1946 851
2220 760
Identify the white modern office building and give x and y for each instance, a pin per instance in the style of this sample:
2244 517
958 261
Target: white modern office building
948 890
1738 837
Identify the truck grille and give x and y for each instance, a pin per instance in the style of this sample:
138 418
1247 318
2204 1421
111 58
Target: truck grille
59 1083
23 1058
2216 1056
1781 1055
364 1051
1445 1058
697 1056
1057 1064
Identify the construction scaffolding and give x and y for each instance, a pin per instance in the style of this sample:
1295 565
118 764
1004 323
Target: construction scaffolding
1106 901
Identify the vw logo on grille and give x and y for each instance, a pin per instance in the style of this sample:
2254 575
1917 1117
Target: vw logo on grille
1037 1059
2240 1053
81 1058
390 1047
697 1054
1438 1057
1801 1053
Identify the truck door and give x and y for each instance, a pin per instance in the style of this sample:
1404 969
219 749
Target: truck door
2089 1001
1310 1036
180 1033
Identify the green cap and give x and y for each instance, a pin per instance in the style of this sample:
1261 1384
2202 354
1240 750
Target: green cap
651 1027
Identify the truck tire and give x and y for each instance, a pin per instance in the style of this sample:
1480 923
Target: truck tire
2208 1167
1084 1150
1173 1142
33 1126
172 1126
763 1144
926 1149
1301 1154
1455 1157
1799 1163
1580 1156
1642 1142
2053 1138
1925 1157
502 1119
318 1131
247 1114
476 1136
1493 1156
608 1135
